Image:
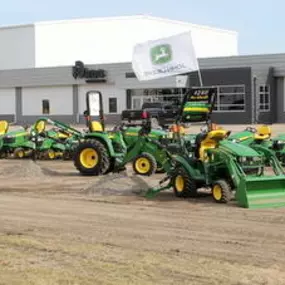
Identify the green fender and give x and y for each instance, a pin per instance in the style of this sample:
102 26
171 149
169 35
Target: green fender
105 139
182 161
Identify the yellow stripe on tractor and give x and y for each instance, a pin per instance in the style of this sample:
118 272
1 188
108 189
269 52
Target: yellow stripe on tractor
196 109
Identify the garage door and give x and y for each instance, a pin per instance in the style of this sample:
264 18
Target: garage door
38 101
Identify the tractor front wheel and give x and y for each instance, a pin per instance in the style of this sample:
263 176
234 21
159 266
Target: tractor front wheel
92 158
183 185
144 164
19 152
221 191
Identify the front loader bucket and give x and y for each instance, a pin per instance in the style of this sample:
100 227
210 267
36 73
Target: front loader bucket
261 192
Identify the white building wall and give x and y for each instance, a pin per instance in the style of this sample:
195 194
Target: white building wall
111 40
60 100
108 91
17 47
7 101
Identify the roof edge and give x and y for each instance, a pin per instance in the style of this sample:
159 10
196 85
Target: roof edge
116 18
16 26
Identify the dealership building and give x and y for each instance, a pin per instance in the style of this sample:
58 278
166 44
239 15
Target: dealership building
46 69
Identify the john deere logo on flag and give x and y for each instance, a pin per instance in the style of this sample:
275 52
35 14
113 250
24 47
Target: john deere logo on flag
161 54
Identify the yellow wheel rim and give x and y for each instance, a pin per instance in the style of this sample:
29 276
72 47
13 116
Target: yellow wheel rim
51 154
20 154
217 192
89 158
142 165
179 183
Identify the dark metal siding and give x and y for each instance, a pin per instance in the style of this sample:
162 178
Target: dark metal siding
228 76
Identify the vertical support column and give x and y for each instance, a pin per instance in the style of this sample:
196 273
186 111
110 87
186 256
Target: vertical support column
19 105
75 104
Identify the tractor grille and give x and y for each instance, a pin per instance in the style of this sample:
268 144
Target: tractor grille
7 140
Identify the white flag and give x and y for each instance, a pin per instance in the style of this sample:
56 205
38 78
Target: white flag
164 57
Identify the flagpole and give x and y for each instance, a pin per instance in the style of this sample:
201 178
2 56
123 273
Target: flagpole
200 77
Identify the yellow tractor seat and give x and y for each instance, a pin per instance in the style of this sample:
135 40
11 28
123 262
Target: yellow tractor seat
40 126
4 126
263 132
63 136
211 141
96 126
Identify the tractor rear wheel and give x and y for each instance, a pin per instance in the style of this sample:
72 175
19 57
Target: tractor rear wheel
92 158
221 191
183 185
144 164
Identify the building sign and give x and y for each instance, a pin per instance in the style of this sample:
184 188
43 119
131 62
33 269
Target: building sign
90 75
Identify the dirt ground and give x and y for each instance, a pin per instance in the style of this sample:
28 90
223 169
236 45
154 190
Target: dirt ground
57 227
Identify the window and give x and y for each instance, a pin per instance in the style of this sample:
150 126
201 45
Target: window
230 98
112 105
130 75
45 107
264 98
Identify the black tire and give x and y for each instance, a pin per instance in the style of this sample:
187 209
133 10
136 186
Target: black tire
159 168
189 188
224 194
104 161
150 166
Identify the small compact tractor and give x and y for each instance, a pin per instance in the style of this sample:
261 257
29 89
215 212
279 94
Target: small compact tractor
100 150
224 166
261 139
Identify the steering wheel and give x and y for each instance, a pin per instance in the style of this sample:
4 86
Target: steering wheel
119 127
251 129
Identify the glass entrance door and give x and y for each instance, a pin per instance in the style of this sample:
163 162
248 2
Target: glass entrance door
137 101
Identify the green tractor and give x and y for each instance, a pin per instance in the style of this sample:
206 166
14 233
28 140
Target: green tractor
224 166
100 150
261 139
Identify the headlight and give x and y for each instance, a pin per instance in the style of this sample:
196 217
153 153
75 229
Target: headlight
242 159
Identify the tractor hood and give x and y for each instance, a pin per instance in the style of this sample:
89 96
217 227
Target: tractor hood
280 137
238 149
241 136
17 133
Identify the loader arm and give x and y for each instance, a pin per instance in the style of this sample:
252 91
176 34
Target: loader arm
153 147
63 127
271 157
